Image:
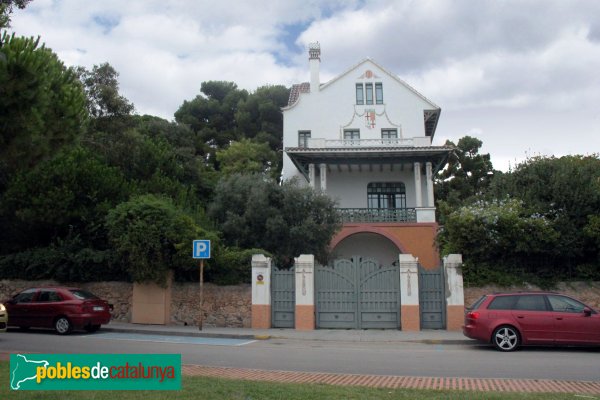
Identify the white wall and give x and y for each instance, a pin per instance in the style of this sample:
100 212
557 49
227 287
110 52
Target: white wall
331 110
349 189
369 245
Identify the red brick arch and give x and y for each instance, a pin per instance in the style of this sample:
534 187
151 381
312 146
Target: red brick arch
347 232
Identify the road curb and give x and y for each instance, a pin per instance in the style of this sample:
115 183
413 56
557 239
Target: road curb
173 333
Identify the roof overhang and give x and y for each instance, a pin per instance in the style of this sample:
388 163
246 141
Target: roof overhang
302 157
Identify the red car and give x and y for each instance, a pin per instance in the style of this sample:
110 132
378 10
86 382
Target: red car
61 308
509 320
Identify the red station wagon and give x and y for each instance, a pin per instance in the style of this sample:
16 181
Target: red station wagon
509 320
61 308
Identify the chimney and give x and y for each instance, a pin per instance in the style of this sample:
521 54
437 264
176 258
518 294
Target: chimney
314 59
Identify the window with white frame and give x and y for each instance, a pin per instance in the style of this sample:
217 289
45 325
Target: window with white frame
389 134
360 95
386 195
352 136
379 93
369 92
303 137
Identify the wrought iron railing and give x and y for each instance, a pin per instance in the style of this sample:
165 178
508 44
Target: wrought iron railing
378 214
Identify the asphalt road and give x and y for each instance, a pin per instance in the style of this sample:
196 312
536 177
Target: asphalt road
404 359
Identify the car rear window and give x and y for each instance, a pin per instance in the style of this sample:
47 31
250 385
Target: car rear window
83 294
503 303
476 305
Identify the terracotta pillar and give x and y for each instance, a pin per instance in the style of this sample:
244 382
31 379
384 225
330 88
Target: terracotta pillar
305 292
410 316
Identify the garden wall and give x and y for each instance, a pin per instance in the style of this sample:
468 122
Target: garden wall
224 306
230 306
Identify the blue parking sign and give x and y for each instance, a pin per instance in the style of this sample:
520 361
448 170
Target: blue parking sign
201 249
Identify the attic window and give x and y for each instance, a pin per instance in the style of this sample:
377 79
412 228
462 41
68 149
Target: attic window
379 93
360 96
369 90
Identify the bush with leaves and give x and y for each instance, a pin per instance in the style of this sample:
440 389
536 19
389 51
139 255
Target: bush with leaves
500 234
252 211
153 236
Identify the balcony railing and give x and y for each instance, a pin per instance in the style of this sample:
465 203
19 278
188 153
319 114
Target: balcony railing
382 142
378 214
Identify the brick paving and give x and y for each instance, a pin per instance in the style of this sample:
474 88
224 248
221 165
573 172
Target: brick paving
390 381
399 382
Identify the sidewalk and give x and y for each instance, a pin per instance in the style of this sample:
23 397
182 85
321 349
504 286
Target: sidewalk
339 335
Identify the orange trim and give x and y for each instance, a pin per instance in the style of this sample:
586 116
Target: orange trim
365 228
417 239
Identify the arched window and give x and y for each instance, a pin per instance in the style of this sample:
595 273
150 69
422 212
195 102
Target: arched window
386 195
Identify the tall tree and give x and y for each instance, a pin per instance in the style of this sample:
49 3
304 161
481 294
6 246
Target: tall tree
102 88
212 113
248 157
110 111
252 211
42 104
467 174
6 9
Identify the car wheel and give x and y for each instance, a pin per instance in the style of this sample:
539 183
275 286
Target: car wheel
506 338
92 328
62 325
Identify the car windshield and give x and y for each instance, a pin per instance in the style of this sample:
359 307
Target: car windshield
83 294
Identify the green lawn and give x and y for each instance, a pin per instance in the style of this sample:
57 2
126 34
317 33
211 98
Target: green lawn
212 388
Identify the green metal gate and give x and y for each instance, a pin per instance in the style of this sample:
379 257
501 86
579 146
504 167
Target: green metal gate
283 298
357 294
432 298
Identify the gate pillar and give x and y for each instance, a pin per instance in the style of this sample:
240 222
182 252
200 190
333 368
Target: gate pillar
455 298
410 317
305 292
261 292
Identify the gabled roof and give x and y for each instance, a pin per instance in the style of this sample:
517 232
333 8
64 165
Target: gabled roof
394 76
431 115
305 86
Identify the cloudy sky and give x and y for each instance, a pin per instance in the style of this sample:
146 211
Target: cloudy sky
522 76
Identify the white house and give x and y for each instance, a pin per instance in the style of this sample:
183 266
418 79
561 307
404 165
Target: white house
365 139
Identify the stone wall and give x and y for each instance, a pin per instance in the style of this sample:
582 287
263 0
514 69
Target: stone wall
224 306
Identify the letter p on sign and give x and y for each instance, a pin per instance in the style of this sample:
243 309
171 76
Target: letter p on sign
201 249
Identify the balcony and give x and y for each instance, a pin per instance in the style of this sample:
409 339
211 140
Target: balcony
378 214
317 143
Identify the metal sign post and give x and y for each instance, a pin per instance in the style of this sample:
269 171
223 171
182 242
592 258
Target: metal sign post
201 250
201 314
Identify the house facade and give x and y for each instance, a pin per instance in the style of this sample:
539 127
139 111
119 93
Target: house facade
365 139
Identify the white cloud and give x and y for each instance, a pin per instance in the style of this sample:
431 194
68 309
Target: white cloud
519 74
